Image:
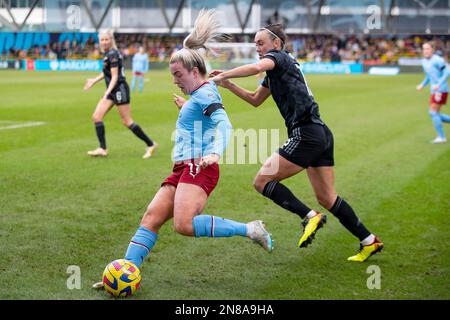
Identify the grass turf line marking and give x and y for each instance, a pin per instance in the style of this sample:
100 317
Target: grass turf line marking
23 125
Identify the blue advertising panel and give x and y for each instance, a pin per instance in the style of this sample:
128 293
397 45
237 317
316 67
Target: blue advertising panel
63 65
332 68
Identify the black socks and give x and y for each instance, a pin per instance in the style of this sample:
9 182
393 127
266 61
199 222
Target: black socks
348 219
100 130
283 197
140 134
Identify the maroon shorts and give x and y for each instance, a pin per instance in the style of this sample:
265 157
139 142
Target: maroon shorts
189 172
138 73
439 98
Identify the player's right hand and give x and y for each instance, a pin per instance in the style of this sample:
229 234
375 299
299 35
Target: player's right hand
89 84
419 87
179 101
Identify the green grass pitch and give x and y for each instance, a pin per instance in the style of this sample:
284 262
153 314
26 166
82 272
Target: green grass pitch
60 208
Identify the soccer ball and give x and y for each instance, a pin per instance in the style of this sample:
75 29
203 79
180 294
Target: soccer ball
121 278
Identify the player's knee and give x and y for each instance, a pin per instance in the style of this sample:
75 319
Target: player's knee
325 201
96 117
127 122
151 221
183 227
259 183
433 113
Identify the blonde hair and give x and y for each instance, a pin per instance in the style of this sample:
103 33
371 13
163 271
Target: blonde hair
195 45
109 33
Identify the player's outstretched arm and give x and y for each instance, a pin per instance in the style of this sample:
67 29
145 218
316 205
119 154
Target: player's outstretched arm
424 83
255 98
90 82
246 70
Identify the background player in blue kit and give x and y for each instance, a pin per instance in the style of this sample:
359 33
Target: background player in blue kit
436 74
117 93
310 143
202 129
139 68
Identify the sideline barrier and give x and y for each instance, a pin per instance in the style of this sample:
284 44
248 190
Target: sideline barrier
62 65
331 68
384 71
9 64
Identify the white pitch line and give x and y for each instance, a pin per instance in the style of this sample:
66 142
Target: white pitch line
23 125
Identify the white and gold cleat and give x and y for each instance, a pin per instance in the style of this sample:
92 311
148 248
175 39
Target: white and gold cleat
98 285
150 150
99 152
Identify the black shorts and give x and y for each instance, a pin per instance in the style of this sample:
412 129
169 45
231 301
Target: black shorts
120 94
309 145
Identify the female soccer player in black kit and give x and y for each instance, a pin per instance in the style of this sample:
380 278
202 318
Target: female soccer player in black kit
117 93
310 143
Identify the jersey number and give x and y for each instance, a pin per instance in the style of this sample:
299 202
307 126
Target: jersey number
194 169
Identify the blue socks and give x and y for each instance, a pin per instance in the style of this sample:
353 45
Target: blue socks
140 245
141 83
437 122
444 117
211 226
204 226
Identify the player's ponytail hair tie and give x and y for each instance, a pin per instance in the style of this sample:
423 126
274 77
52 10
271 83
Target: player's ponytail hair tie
195 45
276 34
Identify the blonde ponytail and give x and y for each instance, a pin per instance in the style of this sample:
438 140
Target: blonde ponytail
206 29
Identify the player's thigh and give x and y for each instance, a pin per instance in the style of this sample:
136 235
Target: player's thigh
190 200
435 107
125 114
160 208
322 181
275 168
102 108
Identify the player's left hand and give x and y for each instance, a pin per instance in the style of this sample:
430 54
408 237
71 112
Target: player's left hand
218 79
209 160
435 87
217 76
214 73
